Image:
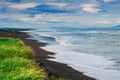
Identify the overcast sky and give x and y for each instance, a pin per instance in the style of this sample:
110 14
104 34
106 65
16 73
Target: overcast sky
42 13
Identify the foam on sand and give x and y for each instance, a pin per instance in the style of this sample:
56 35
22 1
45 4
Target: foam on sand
92 65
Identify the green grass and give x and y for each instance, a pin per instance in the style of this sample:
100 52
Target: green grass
17 63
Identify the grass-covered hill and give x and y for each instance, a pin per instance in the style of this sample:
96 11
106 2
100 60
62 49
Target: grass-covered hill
17 63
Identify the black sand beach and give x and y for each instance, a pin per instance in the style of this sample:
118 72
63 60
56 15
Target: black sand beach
54 68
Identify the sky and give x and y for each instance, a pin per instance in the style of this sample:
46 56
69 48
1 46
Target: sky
68 13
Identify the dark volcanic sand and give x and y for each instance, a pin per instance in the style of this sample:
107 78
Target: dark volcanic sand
54 68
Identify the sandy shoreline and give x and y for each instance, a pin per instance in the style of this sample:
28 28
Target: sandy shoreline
54 68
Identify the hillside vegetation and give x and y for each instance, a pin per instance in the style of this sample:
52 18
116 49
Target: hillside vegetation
17 63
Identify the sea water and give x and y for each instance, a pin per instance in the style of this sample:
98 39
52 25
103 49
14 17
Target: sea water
96 53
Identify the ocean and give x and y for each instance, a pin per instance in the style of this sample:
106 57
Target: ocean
95 52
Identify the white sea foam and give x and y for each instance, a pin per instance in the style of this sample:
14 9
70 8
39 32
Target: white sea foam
92 65
99 74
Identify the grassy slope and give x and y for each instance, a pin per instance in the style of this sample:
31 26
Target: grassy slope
17 63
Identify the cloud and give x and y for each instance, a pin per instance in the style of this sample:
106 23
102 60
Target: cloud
60 5
91 7
38 8
108 22
22 17
27 19
108 1
103 22
3 4
118 21
34 18
13 16
49 8
23 6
